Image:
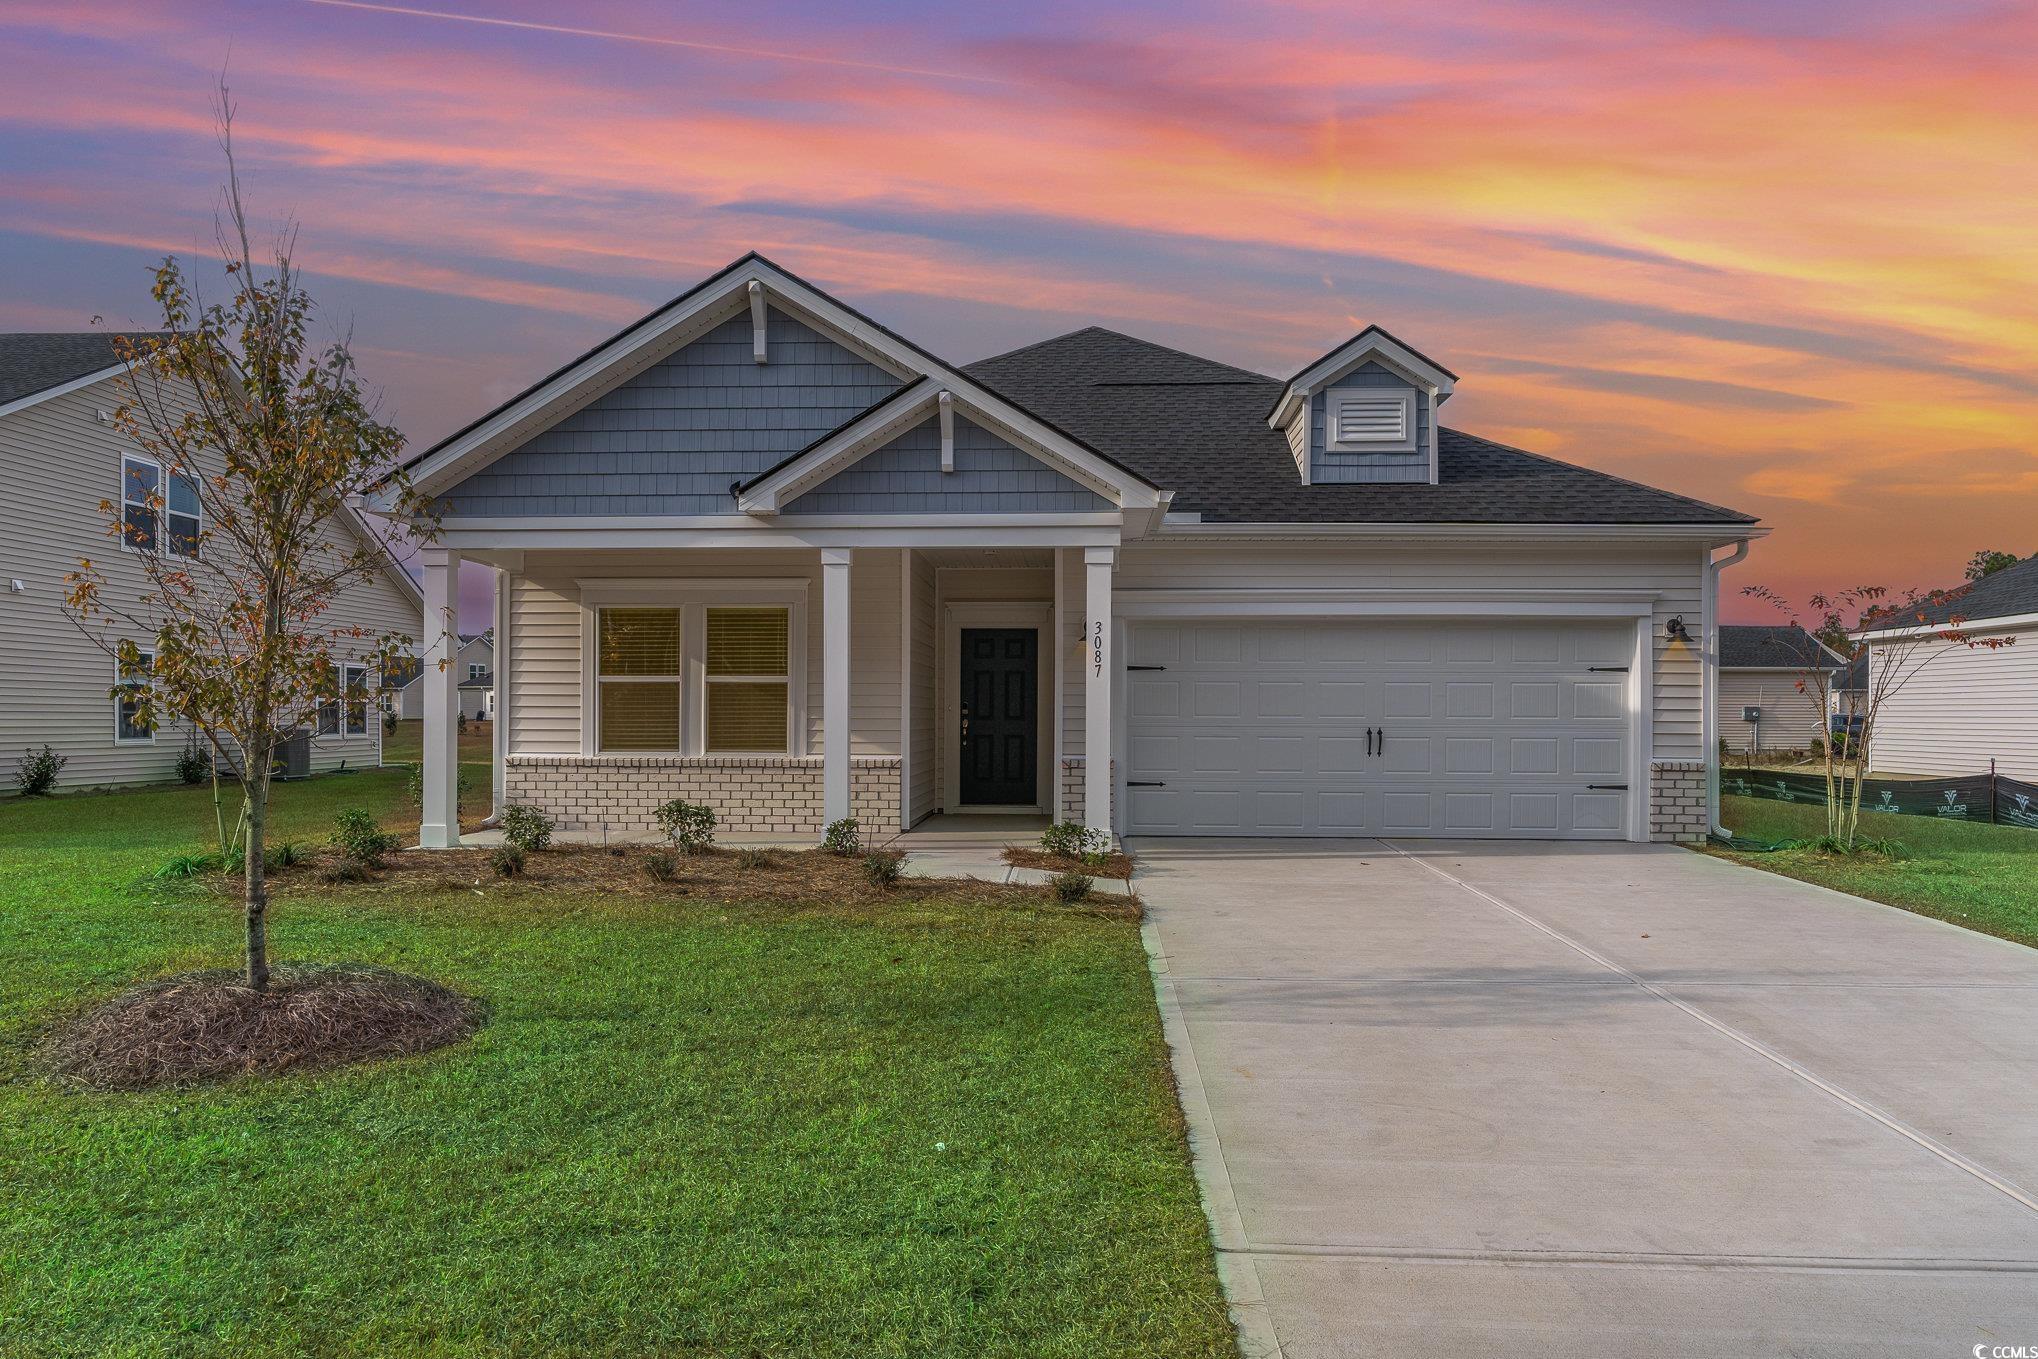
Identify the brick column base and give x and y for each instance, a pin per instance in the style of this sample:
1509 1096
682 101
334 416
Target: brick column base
1677 802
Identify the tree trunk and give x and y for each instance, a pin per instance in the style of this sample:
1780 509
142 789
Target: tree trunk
255 885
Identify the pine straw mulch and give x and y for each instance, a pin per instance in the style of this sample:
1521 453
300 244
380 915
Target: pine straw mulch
804 879
209 1026
1116 865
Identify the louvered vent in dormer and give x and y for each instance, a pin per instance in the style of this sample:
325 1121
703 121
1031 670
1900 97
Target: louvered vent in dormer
1371 421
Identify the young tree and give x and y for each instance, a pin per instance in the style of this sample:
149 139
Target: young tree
1927 627
263 439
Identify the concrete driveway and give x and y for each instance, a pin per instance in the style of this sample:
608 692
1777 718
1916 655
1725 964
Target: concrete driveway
1511 1100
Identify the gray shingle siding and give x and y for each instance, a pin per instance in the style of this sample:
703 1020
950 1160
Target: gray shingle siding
991 476
1327 468
671 440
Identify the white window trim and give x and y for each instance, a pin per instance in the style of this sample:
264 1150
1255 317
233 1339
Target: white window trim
118 739
162 511
367 702
1339 397
693 598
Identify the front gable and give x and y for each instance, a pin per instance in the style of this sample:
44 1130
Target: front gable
672 440
988 474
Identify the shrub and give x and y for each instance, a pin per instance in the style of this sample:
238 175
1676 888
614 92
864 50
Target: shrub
194 762
356 835
690 826
460 723
753 858
415 785
506 860
37 773
1071 887
188 865
882 870
1074 840
661 867
343 870
843 837
389 721
527 828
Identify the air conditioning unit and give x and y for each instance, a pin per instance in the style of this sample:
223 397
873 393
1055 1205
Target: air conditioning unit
293 757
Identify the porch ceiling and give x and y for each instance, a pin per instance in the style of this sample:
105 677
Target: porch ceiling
1003 557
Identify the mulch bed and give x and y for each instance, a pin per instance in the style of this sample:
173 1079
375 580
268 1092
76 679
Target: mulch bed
809 878
208 1026
1115 865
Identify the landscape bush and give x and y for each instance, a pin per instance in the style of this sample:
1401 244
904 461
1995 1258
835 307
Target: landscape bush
690 826
844 838
37 773
527 828
360 839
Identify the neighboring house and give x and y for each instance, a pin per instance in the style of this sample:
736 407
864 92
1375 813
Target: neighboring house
1763 670
60 458
474 669
1954 708
758 551
1849 692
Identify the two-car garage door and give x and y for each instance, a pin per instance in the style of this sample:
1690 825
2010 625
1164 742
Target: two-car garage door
1325 728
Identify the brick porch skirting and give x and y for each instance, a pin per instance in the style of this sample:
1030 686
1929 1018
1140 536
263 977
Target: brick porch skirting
751 794
1677 807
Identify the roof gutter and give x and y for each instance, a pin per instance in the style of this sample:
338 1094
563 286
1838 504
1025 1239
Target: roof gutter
1176 529
1709 682
1999 623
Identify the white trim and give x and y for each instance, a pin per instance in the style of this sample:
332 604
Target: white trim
956 531
692 597
1435 424
2002 623
1183 531
1709 675
961 614
439 755
910 407
1777 669
1101 641
1642 728
22 403
502 660
905 689
758 352
947 402
1383 603
1370 343
747 530
1058 633
1402 442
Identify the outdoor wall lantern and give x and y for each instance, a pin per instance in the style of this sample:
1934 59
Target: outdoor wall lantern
1675 627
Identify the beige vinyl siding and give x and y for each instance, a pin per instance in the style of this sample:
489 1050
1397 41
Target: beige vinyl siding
1298 439
1673 570
1960 708
544 669
1791 719
58 461
924 776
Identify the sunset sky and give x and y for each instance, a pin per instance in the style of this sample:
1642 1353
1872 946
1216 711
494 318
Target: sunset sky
1782 256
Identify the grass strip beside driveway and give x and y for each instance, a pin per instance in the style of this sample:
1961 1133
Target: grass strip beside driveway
1979 876
691 1127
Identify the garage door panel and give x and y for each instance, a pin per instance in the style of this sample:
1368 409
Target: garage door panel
1346 728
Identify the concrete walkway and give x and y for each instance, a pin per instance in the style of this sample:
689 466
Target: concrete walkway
1521 1100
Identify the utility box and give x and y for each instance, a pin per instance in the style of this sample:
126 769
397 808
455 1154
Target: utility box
1751 713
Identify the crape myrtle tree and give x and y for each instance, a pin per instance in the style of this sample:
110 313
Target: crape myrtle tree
264 439
1926 627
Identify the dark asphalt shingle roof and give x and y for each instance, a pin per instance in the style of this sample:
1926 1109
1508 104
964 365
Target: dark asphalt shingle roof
2003 594
36 362
1198 427
1854 677
1769 647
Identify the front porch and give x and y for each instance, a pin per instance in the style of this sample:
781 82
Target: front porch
789 687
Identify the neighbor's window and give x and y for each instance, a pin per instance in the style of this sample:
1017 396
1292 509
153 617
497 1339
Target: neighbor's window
475 671
748 694
638 679
143 496
127 724
354 686
181 515
140 483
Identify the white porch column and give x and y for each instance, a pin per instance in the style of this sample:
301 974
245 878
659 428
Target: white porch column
441 647
834 683
1100 667
499 671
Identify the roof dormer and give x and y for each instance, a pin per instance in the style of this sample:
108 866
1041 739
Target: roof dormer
1364 412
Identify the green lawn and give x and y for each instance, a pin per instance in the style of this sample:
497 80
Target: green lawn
1983 877
692 1128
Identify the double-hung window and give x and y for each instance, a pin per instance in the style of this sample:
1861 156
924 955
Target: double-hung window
347 715
475 671
128 727
158 513
694 668
640 684
748 679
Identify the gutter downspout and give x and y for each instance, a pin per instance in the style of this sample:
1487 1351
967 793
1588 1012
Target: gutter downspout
1709 677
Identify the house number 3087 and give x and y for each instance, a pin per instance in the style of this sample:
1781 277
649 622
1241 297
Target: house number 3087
1097 647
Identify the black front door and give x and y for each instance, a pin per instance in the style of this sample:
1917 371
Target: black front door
1000 717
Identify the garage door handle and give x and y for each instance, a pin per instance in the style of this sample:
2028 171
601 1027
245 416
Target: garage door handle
1606 670
1144 783
1146 667
1607 787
